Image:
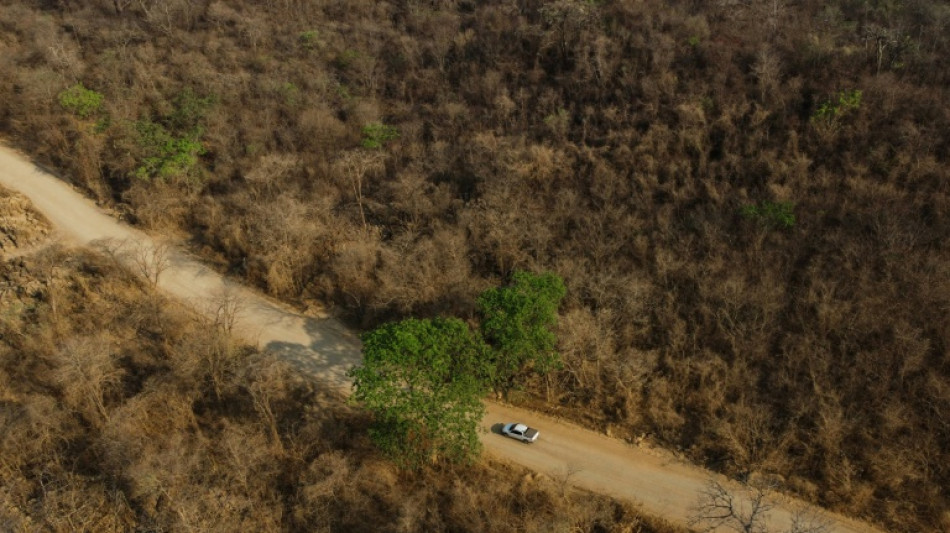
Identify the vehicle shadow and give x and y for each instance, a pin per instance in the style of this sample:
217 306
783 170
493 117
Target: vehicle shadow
496 428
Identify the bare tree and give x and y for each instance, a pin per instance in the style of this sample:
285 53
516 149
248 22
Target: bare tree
881 41
357 164
120 5
148 261
268 384
806 520
265 177
114 248
151 261
566 20
565 475
227 305
774 13
86 371
218 352
719 509
217 360
768 71
49 262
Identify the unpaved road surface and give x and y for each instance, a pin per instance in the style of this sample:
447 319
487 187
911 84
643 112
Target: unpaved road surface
324 349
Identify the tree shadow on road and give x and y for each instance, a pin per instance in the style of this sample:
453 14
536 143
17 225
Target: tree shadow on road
328 355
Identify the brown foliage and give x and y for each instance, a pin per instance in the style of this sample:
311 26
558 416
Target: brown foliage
614 142
137 427
21 226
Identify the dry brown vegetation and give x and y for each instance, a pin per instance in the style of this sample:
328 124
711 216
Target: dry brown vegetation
21 226
614 142
109 422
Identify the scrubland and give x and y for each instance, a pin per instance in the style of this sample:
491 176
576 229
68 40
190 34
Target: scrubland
122 411
747 201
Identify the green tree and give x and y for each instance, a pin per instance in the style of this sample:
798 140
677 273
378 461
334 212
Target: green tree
170 147
518 322
421 380
771 214
833 109
81 101
164 155
376 134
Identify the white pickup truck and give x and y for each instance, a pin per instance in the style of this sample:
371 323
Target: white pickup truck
520 432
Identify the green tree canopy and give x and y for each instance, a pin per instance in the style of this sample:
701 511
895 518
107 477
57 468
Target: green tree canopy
421 380
518 321
81 101
376 134
169 148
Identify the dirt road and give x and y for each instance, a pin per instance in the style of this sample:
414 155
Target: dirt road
324 349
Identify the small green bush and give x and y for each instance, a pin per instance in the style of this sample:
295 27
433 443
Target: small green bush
771 214
834 108
166 156
308 39
170 146
81 101
375 134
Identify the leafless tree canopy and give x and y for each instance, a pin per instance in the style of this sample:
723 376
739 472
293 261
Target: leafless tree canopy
747 510
136 427
748 200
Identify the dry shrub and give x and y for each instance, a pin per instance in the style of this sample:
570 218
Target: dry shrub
619 148
21 226
85 369
129 429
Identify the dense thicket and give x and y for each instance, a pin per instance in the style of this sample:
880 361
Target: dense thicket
748 201
120 411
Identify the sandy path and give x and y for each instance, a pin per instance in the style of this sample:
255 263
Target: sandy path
324 349
318 345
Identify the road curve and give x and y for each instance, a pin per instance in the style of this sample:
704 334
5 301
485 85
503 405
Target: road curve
324 349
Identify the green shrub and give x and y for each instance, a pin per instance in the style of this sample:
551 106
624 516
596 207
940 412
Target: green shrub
81 101
170 146
375 134
308 39
771 214
833 108
166 156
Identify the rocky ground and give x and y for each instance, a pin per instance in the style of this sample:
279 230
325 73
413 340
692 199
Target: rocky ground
21 226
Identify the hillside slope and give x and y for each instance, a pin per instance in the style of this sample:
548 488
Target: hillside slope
322 349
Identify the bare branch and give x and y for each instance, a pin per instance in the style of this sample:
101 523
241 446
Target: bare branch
227 305
718 508
564 476
807 520
151 261
357 165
